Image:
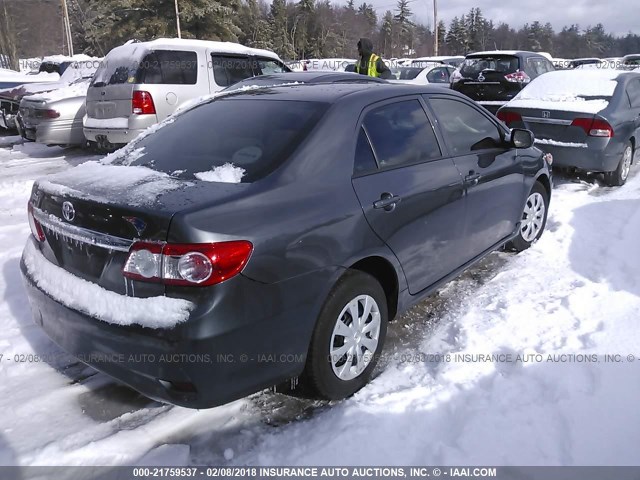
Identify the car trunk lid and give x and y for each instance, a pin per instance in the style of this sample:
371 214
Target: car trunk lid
89 234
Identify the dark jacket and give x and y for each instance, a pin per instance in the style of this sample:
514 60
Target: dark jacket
366 50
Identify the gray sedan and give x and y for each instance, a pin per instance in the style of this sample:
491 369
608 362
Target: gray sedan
589 120
55 118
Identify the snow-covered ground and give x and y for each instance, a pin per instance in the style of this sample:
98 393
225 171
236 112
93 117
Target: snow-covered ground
576 292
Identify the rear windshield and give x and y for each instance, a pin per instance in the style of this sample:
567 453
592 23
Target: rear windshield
502 64
167 67
253 134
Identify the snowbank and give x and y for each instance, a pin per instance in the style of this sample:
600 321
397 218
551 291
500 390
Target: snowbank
91 299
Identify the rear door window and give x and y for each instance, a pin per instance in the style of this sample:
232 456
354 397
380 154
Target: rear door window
230 69
633 90
168 67
438 75
538 66
466 129
401 134
365 161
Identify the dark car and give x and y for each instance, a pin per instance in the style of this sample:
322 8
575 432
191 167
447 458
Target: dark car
494 78
631 61
349 203
578 62
588 120
275 79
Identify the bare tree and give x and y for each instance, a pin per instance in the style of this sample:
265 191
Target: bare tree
8 47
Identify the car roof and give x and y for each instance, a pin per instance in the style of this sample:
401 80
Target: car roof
313 76
181 43
504 52
335 92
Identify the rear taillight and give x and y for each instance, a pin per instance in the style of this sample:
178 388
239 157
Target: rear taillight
518 77
594 127
191 264
47 114
509 117
36 228
142 103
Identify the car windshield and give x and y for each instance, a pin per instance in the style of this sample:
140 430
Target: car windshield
252 135
405 73
503 64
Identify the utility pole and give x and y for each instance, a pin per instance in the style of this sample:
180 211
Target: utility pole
435 27
67 27
178 20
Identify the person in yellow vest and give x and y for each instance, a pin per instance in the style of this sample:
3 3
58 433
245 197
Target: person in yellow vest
369 63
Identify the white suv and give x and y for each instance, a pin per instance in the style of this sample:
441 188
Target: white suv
140 84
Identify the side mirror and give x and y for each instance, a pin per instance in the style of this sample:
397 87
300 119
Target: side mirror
521 138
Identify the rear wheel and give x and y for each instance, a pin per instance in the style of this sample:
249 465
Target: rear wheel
348 337
619 176
534 219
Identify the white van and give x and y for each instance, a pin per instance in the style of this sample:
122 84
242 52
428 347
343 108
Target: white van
140 84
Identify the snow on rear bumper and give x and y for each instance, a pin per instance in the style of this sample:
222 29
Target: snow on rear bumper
97 302
246 337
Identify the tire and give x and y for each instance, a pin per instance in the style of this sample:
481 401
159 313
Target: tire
334 370
534 219
619 176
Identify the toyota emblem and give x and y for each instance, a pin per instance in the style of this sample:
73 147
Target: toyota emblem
481 78
68 212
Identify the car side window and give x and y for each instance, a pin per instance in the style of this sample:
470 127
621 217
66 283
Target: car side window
465 128
633 90
230 69
268 66
169 67
438 75
365 161
401 134
536 65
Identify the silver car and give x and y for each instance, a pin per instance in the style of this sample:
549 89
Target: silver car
55 118
140 84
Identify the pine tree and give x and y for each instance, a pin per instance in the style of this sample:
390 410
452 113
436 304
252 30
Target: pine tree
405 26
116 21
386 34
280 36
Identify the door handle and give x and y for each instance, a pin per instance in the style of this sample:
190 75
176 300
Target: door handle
472 179
387 201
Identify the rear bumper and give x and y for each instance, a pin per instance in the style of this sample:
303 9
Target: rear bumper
116 136
582 158
59 132
492 106
219 355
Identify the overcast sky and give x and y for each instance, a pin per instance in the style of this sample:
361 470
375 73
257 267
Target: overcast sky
618 16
